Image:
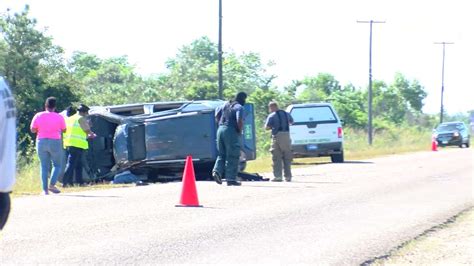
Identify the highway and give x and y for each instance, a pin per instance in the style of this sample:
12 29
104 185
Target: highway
331 214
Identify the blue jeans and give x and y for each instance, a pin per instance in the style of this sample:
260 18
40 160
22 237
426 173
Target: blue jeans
50 151
73 172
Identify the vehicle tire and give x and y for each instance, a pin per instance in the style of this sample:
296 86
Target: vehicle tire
468 144
337 158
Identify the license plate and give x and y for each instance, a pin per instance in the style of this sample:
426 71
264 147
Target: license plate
312 147
445 142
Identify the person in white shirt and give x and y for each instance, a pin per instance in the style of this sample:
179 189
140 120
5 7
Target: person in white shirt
7 149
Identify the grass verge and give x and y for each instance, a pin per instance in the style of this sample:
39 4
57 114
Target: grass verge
28 182
395 141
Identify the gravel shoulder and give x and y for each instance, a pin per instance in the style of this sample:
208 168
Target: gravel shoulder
451 243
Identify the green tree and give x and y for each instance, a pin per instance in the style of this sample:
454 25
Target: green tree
110 81
260 98
319 88
350 105
388 104
411 91
83 64
398 103
34 68
288 95
193 71
193 74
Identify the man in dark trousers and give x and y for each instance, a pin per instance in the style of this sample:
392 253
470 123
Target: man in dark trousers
75 141
279 121
7 149
230 118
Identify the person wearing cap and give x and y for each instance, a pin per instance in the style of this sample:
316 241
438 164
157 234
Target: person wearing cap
279 121
48 126
230 117
75 142
7 149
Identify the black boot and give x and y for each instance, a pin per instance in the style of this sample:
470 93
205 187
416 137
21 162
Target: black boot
234 183
217 177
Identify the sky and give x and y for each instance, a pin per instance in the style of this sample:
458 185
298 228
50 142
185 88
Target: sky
302 37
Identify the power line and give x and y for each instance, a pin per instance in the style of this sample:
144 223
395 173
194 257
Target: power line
442 80
369 129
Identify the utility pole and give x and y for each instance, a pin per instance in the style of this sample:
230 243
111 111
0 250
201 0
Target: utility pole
221 83
369 129
442 80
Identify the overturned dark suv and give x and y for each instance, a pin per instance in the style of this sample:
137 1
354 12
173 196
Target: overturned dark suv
452 134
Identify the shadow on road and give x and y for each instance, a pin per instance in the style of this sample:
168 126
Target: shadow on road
85 196
313 163
357 162
274 186
213 208
316 182
323 163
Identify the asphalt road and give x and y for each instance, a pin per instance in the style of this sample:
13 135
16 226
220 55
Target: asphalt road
331 214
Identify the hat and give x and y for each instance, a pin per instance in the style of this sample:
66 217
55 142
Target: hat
83 108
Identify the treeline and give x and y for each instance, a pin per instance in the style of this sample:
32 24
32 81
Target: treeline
37 68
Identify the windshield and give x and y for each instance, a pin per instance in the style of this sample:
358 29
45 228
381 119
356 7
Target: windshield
316 114
449 127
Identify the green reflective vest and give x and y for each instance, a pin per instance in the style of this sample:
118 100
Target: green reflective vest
74 135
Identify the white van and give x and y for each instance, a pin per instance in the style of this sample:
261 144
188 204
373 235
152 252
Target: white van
316 131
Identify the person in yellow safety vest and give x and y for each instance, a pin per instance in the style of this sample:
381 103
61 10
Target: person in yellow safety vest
75 142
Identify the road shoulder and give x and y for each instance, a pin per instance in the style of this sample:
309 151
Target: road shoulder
450 243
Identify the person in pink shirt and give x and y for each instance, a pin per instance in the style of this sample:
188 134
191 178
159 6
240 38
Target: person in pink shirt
49 126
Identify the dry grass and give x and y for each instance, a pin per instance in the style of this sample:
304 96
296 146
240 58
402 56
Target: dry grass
396 141
28 182
355 148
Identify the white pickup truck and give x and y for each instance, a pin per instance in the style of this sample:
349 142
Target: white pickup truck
316 131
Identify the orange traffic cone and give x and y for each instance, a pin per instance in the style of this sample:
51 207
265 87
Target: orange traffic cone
189 197
434 144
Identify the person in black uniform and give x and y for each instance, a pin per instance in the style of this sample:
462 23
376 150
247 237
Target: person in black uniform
230 117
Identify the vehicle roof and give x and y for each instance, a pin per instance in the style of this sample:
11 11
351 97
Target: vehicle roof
452 123
310 104
138 108
157 104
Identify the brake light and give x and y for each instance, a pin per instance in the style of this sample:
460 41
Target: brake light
340 133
